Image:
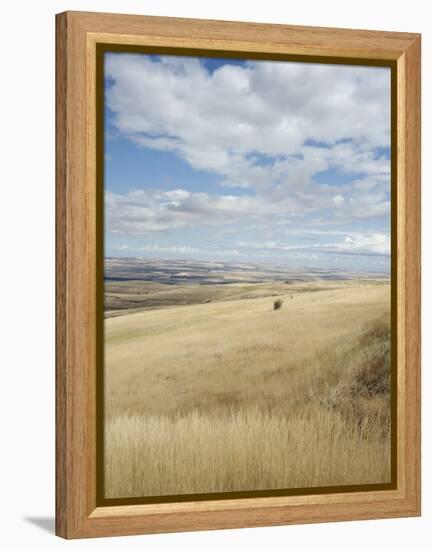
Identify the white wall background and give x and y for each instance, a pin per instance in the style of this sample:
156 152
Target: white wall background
27 271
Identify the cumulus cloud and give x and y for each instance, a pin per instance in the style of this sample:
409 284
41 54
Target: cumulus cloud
270 107
141 211
365 243
151 210
268 131
225 121
362 244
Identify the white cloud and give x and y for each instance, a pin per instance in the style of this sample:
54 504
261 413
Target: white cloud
171 249
221 121
363 244
360 244
141 211
182 250
338 200
269 128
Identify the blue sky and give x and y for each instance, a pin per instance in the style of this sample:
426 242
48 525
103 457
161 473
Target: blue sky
259 161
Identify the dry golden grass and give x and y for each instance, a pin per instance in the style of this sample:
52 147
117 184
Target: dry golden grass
247 450
234 396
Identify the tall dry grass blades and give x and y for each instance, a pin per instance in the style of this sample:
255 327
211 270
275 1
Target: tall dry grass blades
250 449
354 378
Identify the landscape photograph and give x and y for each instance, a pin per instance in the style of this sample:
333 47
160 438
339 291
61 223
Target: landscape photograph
247 276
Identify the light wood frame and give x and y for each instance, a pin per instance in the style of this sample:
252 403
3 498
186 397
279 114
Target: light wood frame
78 33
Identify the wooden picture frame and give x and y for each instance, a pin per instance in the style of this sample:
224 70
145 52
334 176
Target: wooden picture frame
78 266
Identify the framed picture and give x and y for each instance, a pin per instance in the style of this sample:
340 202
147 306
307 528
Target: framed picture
238 274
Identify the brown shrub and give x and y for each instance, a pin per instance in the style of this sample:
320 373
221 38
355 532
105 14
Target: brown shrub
277 304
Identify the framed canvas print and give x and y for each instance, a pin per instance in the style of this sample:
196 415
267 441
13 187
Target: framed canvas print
238 274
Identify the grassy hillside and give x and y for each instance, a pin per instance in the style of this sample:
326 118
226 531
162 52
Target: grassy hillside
233 395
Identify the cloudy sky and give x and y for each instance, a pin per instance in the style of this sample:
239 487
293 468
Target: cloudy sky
247 161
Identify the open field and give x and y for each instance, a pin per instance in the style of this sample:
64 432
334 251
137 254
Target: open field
138 284
207 388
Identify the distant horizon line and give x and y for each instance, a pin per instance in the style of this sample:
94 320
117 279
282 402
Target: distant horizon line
255 262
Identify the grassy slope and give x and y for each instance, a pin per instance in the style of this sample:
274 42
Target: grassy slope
127 296
254 398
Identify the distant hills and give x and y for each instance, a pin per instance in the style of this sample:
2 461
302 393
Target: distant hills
219 272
